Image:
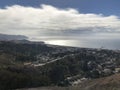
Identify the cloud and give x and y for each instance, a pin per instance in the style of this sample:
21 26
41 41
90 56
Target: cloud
48 20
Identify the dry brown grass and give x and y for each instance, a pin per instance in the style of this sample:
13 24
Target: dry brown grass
106 83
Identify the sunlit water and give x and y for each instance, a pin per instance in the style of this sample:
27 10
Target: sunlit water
101 43
106 40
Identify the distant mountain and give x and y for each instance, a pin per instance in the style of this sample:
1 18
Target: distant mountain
5 37
24 41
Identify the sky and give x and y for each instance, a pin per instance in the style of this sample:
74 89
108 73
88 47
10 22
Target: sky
61 19
106 7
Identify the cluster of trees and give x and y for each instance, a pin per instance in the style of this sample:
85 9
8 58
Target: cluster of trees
23 52
20 77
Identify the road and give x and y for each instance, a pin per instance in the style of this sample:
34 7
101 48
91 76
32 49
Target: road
42 64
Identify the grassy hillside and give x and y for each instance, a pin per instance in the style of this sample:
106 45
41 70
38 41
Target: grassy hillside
106 83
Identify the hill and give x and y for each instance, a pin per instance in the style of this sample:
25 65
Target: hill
5 37
25 64
106 83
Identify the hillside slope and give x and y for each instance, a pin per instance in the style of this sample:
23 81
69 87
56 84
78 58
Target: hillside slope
20 60
106 83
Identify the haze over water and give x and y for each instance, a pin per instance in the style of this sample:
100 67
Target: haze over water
106 44
88 41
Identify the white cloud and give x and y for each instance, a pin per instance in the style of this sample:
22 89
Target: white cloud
48 21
